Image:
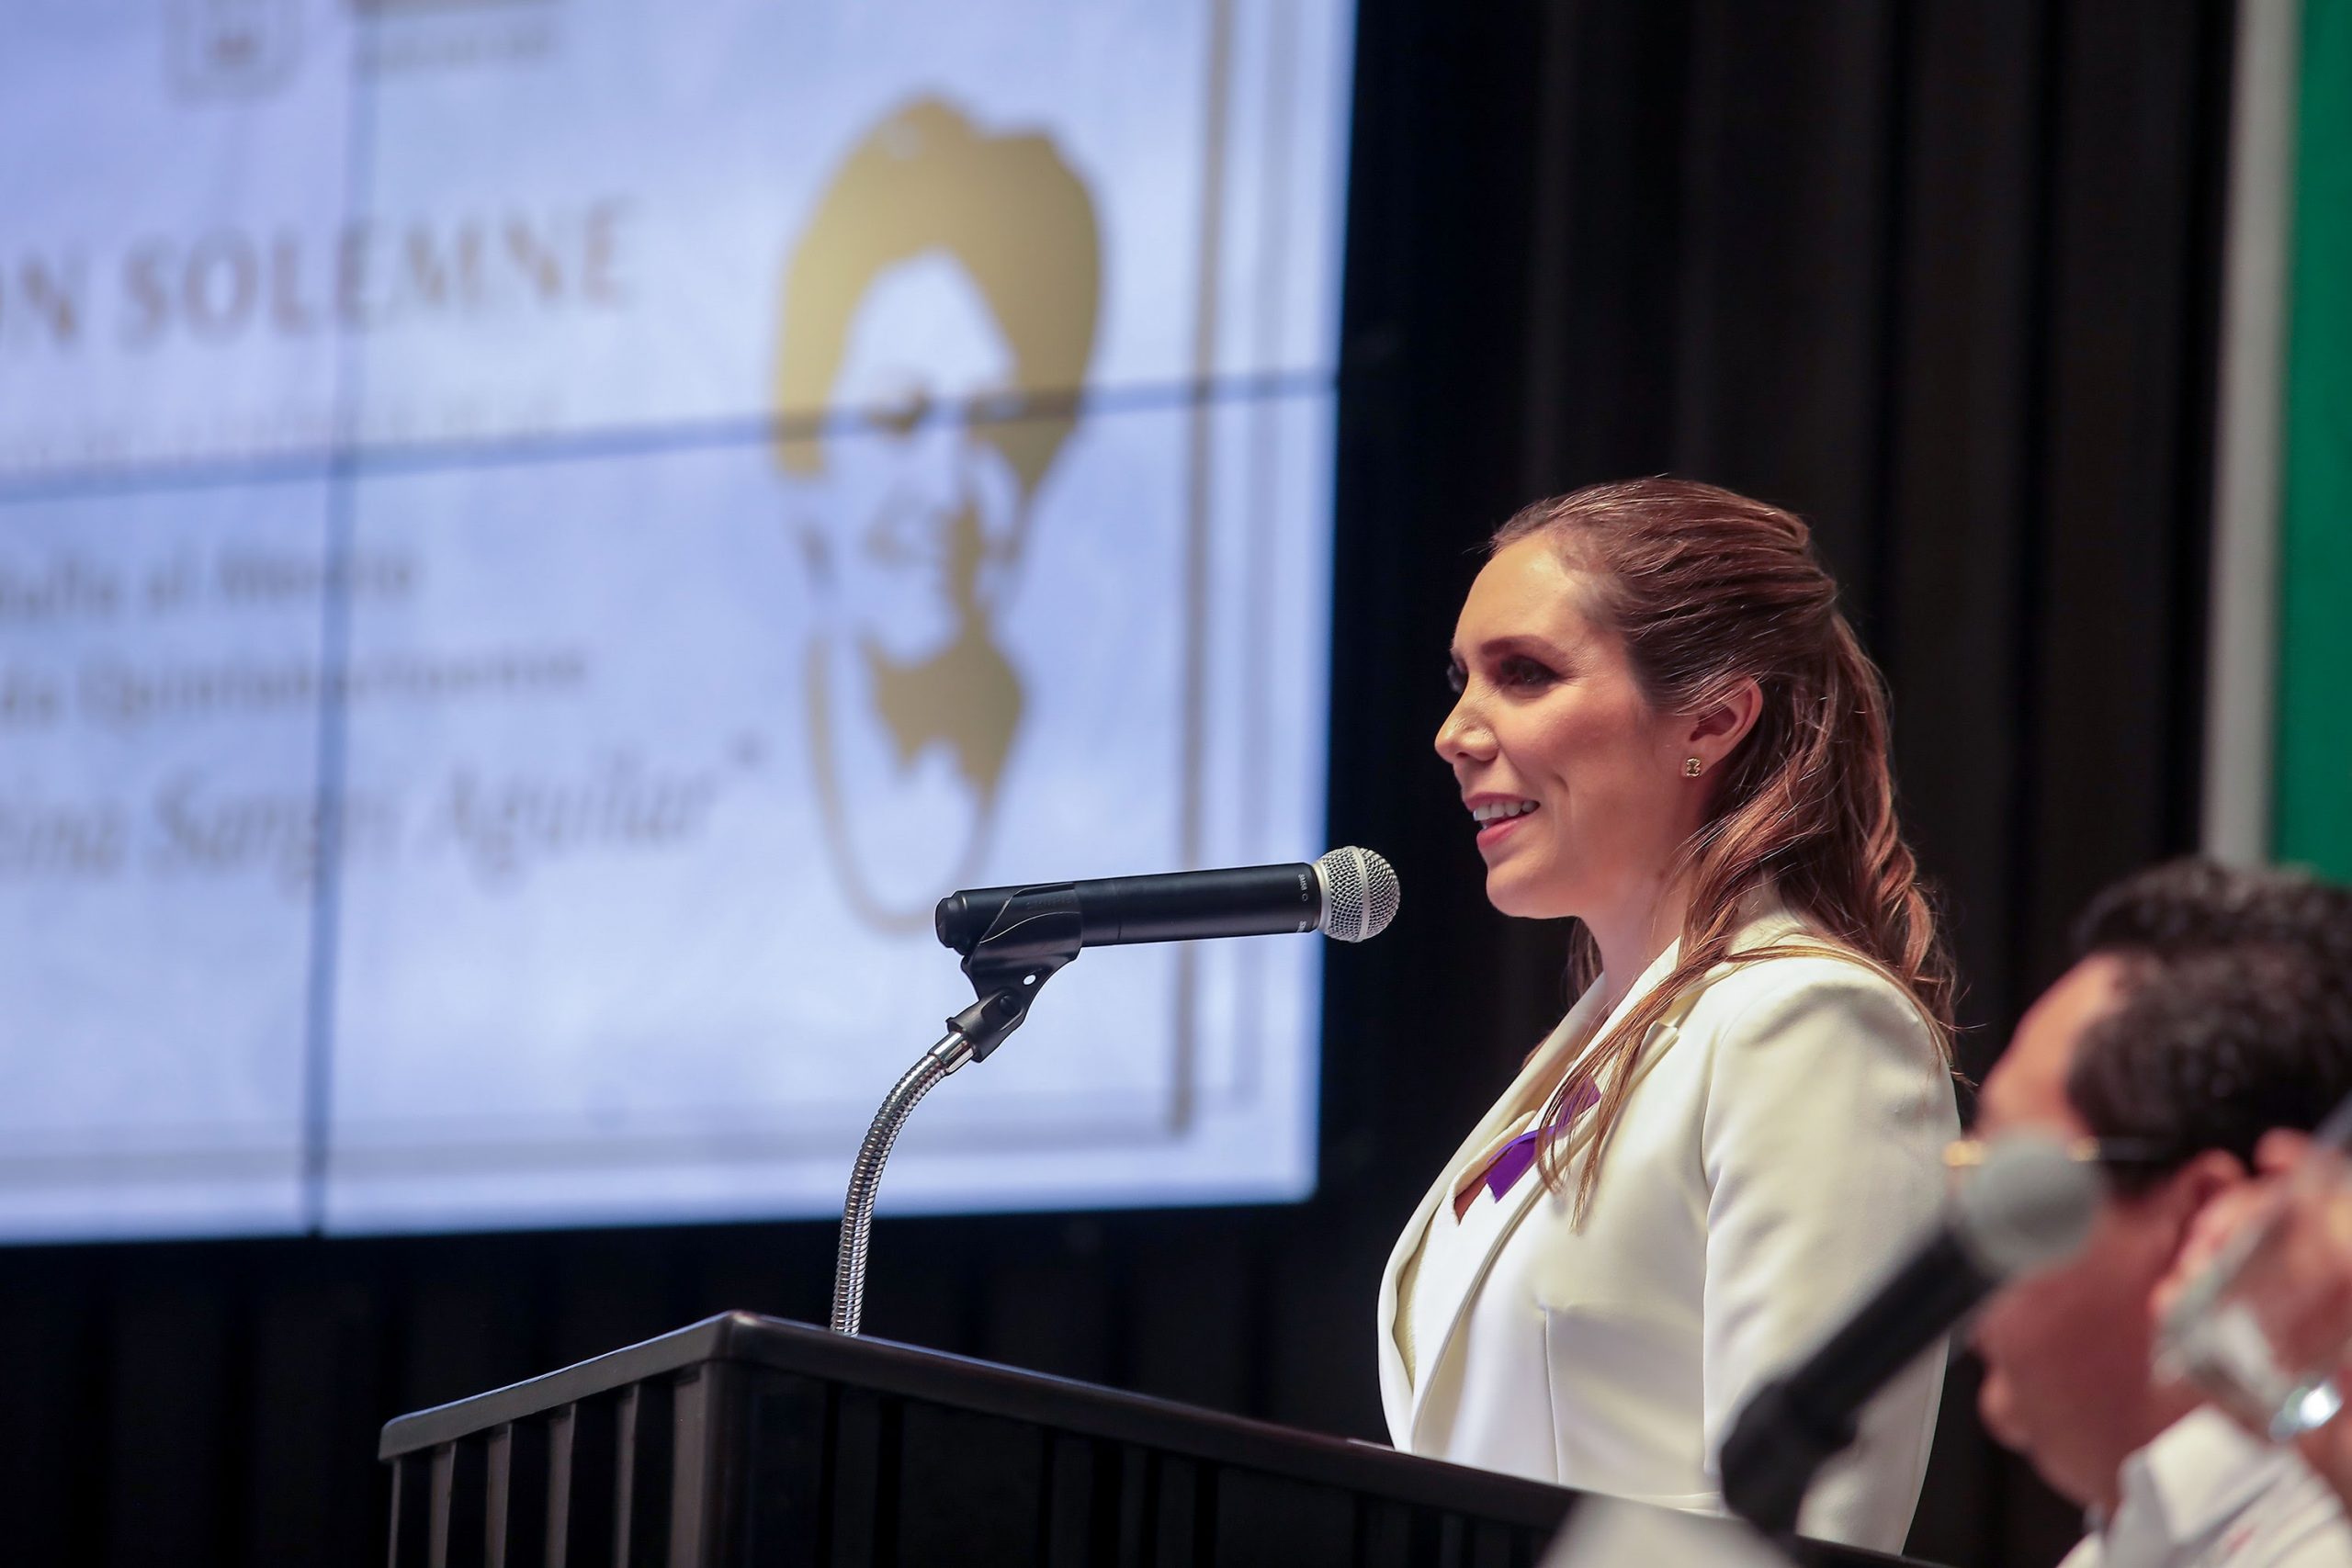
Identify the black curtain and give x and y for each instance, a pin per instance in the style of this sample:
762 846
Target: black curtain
1942 278
1939 275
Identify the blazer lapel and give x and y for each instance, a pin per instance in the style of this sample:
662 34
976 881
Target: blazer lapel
1405 1396
1430 1350
1398 1397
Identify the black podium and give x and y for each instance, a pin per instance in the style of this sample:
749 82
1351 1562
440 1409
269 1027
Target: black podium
745 1440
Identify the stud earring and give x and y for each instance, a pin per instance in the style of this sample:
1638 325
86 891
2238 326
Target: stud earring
1690 767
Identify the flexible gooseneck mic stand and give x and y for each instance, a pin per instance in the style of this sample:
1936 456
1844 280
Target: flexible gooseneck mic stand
1013 940
1007 968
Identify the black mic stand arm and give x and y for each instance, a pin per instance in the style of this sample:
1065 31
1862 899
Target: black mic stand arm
1007 968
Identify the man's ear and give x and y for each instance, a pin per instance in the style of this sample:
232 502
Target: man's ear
2211 1175
1716 731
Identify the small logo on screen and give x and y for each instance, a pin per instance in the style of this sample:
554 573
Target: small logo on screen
233 49
397 7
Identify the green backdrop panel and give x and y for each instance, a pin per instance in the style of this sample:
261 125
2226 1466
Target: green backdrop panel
2314 758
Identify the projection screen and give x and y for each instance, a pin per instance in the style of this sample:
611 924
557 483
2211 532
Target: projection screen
538 538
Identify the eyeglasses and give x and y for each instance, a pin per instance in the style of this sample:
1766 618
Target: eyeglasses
1964 1155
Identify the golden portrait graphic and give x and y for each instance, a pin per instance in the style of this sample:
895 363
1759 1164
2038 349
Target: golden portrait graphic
939 313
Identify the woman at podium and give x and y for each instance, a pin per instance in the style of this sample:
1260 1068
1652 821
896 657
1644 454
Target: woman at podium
1665 730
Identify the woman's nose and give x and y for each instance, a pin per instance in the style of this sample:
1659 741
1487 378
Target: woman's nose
1464 734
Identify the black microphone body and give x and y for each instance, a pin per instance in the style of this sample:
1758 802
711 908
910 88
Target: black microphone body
1796 1423
1183 906
2029 1205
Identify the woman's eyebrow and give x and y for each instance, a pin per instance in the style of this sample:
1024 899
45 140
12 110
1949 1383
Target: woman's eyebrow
1520 642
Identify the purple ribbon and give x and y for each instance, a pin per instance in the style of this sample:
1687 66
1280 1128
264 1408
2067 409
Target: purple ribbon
1512 1160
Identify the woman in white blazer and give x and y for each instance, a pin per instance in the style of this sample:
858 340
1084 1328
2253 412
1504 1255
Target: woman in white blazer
1666 730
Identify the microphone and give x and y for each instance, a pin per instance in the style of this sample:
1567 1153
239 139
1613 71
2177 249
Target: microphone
1349 894
2027 1206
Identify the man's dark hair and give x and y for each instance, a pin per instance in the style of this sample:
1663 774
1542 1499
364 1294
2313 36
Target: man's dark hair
2235 1016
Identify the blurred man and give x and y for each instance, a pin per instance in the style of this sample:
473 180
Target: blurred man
2208 1007
939 312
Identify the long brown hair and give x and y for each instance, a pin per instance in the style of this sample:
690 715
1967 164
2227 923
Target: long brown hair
1707 588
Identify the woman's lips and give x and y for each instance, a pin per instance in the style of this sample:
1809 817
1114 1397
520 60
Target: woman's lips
1494 832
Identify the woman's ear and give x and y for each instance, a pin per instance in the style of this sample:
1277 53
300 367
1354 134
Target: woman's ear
1715 731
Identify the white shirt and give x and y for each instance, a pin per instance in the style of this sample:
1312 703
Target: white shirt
2204 1493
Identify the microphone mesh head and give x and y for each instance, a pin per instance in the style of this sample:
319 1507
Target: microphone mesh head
1360 893
2029 1205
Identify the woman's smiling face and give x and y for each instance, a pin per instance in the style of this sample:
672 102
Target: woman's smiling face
1575 780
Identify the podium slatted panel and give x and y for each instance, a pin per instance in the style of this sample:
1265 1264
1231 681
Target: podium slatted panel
744 1440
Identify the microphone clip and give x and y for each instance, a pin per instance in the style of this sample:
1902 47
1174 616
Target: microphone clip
1011 964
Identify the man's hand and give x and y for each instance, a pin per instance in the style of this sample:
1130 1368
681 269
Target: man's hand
2302 1293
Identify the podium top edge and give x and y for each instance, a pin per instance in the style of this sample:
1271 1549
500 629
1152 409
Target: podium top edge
715 1339
1063 1403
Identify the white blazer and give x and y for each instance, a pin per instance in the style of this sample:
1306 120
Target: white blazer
1780 1153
